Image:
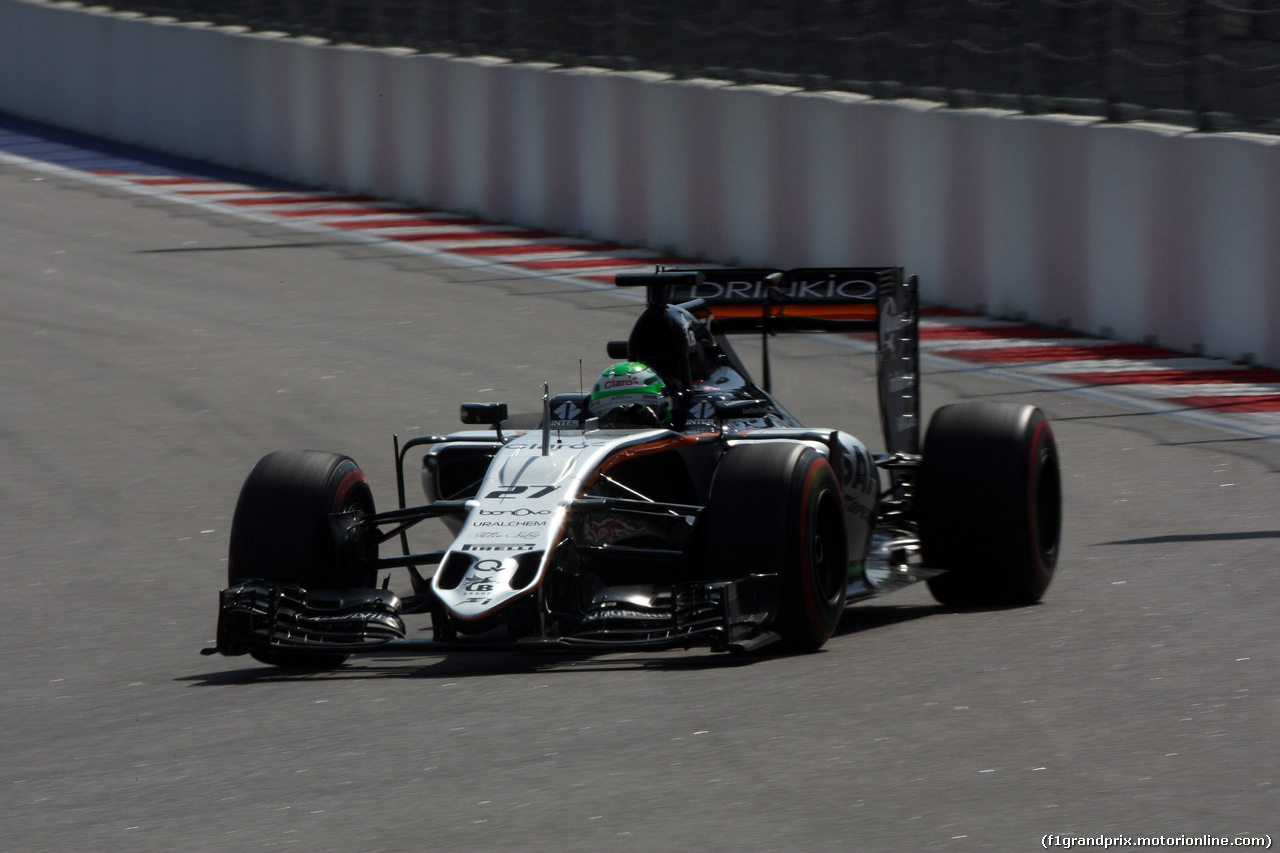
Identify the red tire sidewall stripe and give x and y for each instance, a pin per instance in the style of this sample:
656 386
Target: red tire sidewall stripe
806 540
348 482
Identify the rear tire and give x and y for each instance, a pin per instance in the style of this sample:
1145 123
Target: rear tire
280 531
990 504
777 508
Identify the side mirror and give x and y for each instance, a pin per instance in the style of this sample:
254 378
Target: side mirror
617 349
492 414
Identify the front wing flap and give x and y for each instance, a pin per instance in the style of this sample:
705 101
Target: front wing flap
262 614
724 615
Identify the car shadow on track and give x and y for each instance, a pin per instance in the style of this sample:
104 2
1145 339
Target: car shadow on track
865 617
479 664
1196 537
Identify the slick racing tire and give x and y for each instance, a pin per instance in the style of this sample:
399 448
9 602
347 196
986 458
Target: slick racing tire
990 504
776 507
280 531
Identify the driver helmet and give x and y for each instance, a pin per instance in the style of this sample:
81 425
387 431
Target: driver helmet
627 384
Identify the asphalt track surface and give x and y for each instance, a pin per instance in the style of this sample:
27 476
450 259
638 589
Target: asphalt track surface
150 353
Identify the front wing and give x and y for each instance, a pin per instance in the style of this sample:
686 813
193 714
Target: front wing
723 615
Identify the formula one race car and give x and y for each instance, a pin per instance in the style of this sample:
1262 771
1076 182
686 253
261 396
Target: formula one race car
677 504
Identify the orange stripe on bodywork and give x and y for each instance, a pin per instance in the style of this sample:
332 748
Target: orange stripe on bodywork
646 450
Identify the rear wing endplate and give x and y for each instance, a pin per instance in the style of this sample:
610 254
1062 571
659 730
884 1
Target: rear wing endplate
837 299
898 361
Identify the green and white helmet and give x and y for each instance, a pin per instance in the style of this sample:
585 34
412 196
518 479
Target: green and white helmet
628 383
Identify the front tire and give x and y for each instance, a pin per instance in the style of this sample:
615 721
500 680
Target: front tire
777 508
280 531
990 504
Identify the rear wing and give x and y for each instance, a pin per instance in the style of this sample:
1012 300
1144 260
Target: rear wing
837 299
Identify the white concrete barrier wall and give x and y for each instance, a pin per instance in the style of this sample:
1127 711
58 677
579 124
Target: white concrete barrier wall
1133 231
